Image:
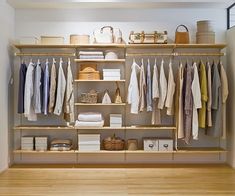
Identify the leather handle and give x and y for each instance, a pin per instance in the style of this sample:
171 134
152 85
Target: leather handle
106 27
181 26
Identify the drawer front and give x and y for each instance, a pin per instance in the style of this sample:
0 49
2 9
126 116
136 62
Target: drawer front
150 145
165 145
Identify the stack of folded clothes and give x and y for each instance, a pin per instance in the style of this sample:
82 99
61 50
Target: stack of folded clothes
91 55
61 145
89 119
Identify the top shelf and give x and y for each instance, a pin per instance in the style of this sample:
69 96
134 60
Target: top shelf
131 46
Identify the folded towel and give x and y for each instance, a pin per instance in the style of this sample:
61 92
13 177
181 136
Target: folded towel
95 53
90 117
91 57
89 124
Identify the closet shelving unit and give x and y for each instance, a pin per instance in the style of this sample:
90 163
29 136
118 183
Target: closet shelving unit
125 47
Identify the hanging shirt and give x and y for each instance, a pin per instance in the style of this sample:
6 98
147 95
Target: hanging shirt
45 89
216 129
188 102
61 85
224 89
69 97
204 95
133 89
142 85
149 89
156 114
52 88
38 84
163 87
179 102
28 93
170 92
209 92
22 75
196 92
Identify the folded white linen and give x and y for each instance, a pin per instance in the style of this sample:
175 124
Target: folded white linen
89 124
90 57
90 117
91 53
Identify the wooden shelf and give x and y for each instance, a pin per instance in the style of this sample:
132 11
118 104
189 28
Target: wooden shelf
200 150
151 128
100 60
32 127
100 128
99 104
99 80
148 152
101 152
43 152
20 46
152 46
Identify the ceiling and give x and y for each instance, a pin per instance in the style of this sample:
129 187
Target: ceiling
121 4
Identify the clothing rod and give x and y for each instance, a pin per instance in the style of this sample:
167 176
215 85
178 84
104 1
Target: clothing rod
175 54
45 54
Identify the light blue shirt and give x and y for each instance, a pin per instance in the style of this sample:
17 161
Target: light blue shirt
45 89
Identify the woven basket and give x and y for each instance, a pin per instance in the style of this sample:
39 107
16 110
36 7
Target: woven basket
114 144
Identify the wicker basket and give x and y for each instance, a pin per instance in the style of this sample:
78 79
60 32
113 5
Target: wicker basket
113 143
90 97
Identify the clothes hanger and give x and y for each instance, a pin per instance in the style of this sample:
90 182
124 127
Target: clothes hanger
38 61
69 61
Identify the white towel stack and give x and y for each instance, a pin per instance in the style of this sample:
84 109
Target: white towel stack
111 74
91 55
89 119
27 143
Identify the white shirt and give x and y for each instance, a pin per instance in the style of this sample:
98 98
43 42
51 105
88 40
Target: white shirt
133 89
61 85
170 92
155 86
163 87
196 92
69 96
142 85
28 91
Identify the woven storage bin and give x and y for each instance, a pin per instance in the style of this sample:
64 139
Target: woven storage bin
205 38
52 40
205 26
113 144
95 75
88 67
79 39
90 97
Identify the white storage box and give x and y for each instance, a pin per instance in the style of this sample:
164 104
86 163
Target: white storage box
88 139
111 74
150 144
89 147
115 120
52 40
165 144
41 140
111 78
28 40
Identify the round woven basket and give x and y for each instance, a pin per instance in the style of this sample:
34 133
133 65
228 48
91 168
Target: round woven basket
114 144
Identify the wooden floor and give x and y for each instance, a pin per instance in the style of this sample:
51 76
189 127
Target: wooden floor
116 181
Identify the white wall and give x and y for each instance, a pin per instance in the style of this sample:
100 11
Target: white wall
69 21
6 34
231 98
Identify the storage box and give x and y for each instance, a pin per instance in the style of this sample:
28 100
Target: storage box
41 143
165 144
28 40
111 78
205 38
88 139
205 26
52 40
111 74
79 39
115 120
89 147
88 67
150 144
27 140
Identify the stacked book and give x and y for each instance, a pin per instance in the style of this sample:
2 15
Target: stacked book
111 74
27 143
115 120
91 55
41 143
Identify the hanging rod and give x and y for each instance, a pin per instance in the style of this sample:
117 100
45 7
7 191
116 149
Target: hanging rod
175 54
45 54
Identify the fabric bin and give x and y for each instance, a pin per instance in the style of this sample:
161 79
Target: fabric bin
52 40
150 144
165 144
79 39
205 38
